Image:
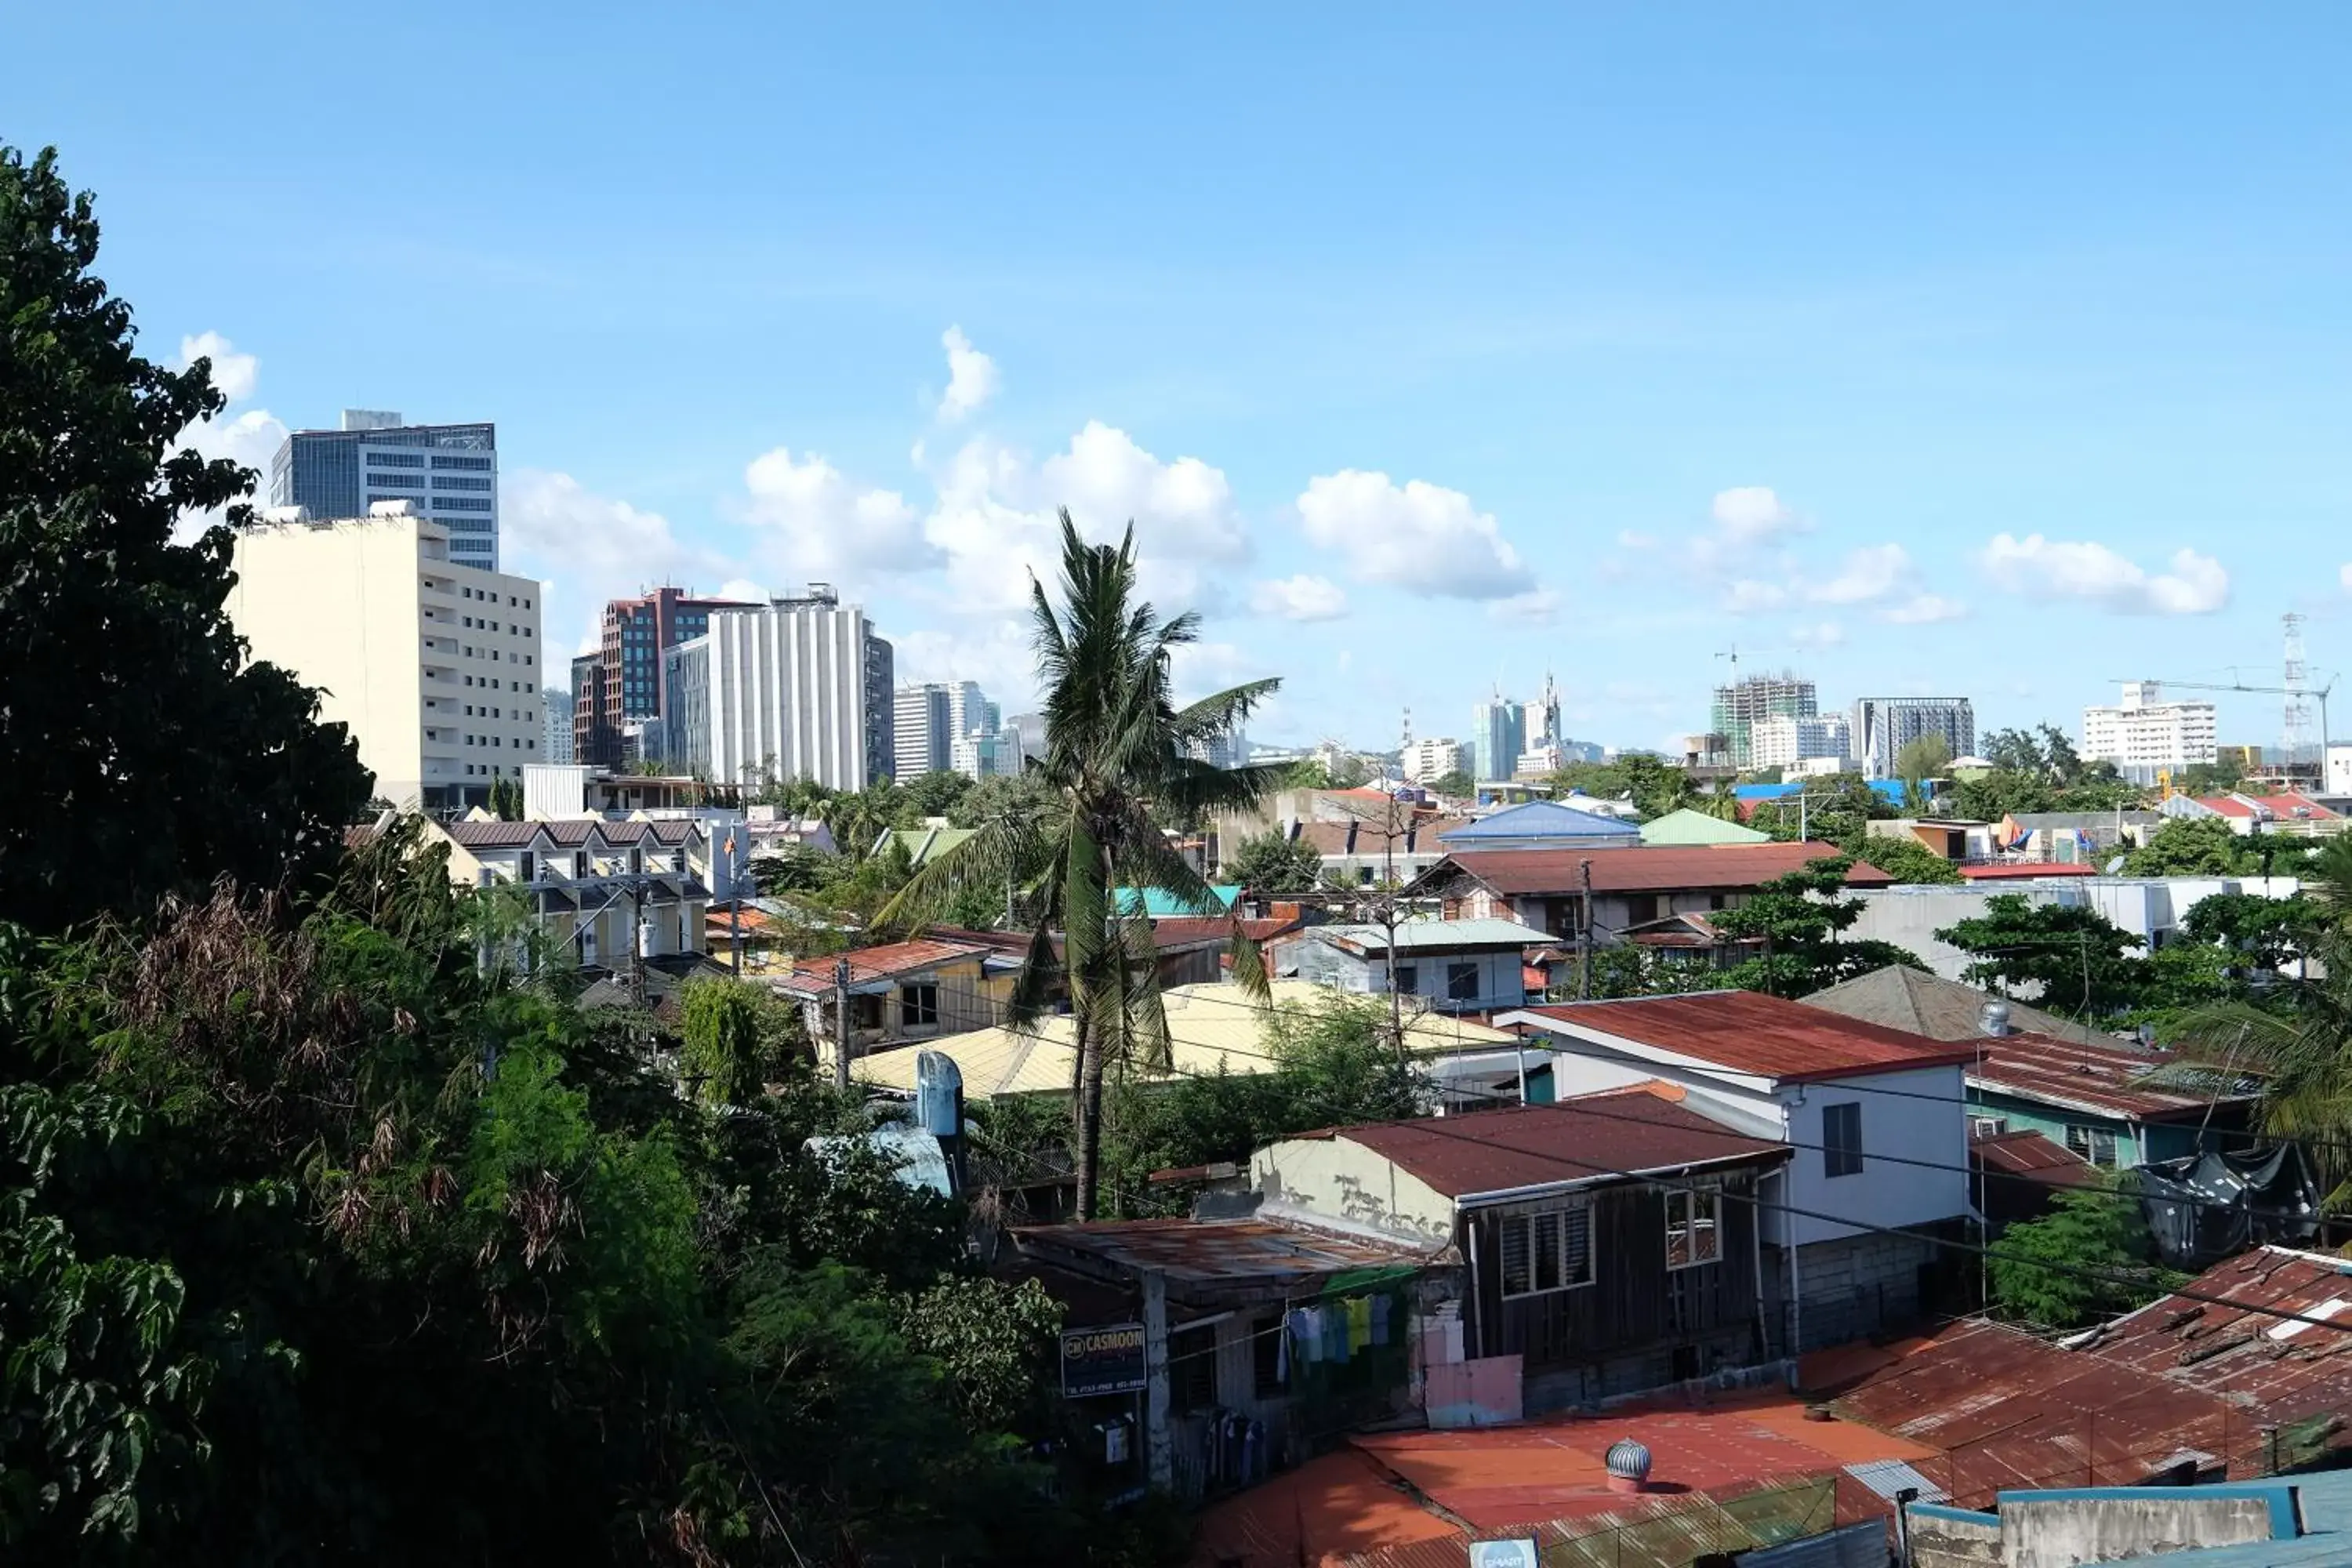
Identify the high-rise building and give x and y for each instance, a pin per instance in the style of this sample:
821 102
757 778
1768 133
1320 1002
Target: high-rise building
2143 734
1779 740
556 702
1883 726
1499 734
434 664
795 688
448 472
1426 760
1739 705
932 721
637 634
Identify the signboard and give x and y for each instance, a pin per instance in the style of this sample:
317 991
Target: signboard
1105 1360
1517 1553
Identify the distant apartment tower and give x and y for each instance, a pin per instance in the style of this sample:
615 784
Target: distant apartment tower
2143 734
930 722
796 688
1425 761
434 664
1781 741
1499 734
636 635
1883 726
1227 748
555 703
1739 706
449 473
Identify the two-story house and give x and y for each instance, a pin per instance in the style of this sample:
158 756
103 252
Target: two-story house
1608 1242
1552 890
898 993
1451 966
1876 1120
601 891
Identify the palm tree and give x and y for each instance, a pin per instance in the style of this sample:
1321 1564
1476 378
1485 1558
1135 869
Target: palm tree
1115 757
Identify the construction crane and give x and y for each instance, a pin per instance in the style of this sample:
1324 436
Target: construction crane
2319 691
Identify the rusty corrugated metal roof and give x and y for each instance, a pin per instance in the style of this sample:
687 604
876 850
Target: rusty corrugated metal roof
2033 1157
1749 1032
2102 1079
1649 867
1233 1255
1531 1145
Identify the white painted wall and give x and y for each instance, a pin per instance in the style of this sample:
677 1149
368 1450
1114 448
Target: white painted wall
1916 1114
1338 1181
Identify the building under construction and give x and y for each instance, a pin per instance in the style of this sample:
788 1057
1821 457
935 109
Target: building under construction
1739 705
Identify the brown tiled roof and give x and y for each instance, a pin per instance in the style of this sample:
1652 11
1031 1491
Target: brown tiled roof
1646 869
573 833
1589 1138
1192 931
1371 837
1750 1032
2102 1079
816 977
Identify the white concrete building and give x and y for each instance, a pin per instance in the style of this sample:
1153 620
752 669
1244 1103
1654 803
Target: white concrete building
433 665
1425 760
929 719
1786 740
2143 733
556 746
796 688
1883 726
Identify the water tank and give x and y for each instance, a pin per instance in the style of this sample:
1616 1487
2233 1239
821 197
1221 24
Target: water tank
1629 1465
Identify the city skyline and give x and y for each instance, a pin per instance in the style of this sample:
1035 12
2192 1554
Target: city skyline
1964 403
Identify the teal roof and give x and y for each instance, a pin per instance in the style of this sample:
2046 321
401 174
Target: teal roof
1159 904
1684 825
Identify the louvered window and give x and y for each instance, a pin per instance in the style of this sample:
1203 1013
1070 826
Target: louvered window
1546 1252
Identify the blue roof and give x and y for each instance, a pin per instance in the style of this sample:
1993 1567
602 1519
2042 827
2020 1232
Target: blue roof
1541 819
1159 904
1889 790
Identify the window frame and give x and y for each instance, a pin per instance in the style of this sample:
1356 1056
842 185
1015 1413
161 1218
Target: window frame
1456 973
1192 1370
1839 1155
1406 978
1692 1224
1557 1221
2089 1151
916 1010
1982 1126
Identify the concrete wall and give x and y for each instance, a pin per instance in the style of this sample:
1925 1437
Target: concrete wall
1501 975
1846 1289
2150 907
1916 1114
1335 1179
2060 1529
1954 1538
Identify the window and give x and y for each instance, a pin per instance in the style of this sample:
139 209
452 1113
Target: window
580 862
1546 1252
1693 1227
459 503
1987 1126
1841 1138
525 863
919 1005
1408 979
1191 1369
395 482
458 482
1640 908
396 460
1266 1358
1462 983
2094 1143
478 464
1715 900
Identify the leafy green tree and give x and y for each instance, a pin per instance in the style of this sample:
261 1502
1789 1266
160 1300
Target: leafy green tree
1305 774
2191 847
2258 932
793 869
997 1344
1455 785
1907 860
505 799
1350 771
1273 862
1800 921
1114 753
1000 795
1918 761
2068 958
2089 1260
724 1047
2198 779
122 684
934 794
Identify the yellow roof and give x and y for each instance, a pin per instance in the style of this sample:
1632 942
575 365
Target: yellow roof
1210 1025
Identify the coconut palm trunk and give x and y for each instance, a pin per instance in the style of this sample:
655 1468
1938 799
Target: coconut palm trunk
1116 749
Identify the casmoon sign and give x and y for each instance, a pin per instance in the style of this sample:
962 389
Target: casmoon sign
1107 1360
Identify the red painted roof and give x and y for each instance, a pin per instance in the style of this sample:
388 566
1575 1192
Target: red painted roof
1645 869
1749 1032
2286 806
2033 1157
816 976
1186 931
1594 1137
2102 1079
2001 870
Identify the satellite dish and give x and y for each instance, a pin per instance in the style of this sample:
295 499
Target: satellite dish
2114 867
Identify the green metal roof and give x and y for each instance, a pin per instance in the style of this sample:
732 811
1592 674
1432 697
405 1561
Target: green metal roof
1684 825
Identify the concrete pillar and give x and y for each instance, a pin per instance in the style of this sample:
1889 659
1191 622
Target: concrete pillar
1159 1451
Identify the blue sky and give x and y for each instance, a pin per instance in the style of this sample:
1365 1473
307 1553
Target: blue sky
2002 353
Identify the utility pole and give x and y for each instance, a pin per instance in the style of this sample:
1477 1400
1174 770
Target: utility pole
735 885
841 1022
1584 931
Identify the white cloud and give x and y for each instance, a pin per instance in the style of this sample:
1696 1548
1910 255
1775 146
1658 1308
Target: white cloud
1750 595
234 374
1536 607
1922 610
1422 538
1629 539
1870 572
819 525
1301 598
1825 633
2041 568
972 376
587 547
1753 514
2344 576
1106 481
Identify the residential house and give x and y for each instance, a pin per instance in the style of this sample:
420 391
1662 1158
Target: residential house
1549 889
1192 1331
1608 1244
923 845
1540 825
1682 827
1953 838
1448 966
2288 813
2018 1175
2096 1101
1901 997
599 890
1852 1238
1371 852
2075 837
768 832
901 992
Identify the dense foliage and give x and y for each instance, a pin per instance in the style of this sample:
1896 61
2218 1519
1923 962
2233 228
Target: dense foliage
1273 862
145 756
2089 1258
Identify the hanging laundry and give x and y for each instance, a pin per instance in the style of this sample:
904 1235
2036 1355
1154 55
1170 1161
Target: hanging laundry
1335 1333
1307 1328
1380 1307
1360 1323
